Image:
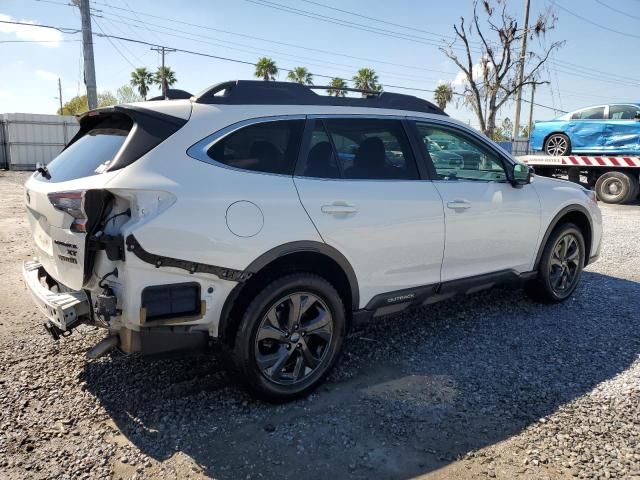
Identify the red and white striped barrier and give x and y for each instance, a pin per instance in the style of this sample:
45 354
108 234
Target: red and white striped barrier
582 161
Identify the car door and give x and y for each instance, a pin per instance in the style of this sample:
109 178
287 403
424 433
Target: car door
359 183
490 226
622 129
586 129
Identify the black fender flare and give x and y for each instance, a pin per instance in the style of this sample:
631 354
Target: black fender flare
280 251
309 246
554 223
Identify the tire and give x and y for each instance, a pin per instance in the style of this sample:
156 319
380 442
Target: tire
559 270
557 144
616 187
282 354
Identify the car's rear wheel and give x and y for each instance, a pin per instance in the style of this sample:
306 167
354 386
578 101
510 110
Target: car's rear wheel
557 144
560 266
290 336
616 187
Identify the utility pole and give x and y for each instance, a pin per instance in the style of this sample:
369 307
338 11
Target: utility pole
87 48
60 94
520 77
533 94
163 50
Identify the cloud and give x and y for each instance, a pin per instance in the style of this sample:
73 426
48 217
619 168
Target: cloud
47 75
478 70
47 36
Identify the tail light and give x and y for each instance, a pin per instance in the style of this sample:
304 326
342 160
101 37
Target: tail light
71 203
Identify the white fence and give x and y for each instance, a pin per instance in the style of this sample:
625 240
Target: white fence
28 139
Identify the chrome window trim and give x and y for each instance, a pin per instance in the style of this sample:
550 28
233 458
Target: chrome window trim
198 151
484 141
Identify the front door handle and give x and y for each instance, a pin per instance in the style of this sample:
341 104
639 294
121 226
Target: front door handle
338 208
459 205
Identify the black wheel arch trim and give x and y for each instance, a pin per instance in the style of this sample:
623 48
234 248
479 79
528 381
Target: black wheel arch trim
309 246
554 223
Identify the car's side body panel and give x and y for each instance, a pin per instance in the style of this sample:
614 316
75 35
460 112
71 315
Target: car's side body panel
610 134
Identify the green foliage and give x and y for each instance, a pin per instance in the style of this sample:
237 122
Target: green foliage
367 79
443 95
337 87
164 75
142 79
80 104
300 75
126 94
504 132
266 69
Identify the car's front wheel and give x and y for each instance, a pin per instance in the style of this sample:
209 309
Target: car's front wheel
557 144
290 336
560 266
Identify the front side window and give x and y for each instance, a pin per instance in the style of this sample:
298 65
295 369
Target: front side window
270 147
623 112
367 148
456 156
593 113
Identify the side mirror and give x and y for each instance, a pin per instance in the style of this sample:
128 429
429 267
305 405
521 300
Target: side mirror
521 174
636 117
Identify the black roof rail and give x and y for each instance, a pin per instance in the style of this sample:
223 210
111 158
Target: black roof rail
259 92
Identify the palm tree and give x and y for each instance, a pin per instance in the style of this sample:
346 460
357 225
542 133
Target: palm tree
165 77
367 79
301 75
142 79
266 69
443 95
337 85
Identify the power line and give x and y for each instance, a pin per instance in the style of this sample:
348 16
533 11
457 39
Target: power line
331 7
218 57
613 30
258 51
113 43
60 29
618 11
38 41
346 23
261 39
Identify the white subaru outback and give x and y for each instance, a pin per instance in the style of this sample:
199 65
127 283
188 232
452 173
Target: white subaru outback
271 218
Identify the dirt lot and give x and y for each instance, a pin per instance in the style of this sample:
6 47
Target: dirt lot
493 385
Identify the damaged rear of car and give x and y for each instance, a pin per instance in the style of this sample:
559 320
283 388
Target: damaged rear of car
78 222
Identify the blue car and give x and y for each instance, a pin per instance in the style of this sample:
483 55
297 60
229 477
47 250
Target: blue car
610 129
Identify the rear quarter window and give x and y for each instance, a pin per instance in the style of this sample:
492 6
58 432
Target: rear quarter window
269 147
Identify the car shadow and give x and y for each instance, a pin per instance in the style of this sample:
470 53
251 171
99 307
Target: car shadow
412 393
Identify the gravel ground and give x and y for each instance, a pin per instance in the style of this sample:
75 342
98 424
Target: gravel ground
491 385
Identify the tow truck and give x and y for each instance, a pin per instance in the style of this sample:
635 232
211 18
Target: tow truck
614 178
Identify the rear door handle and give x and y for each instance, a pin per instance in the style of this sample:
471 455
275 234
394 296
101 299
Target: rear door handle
338 209
459 205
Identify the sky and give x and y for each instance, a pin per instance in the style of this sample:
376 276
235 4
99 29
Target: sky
596 65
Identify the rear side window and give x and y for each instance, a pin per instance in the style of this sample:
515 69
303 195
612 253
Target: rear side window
623 112
270 147
367 149
90 154
594 113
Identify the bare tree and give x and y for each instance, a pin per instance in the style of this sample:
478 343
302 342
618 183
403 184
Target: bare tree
491 81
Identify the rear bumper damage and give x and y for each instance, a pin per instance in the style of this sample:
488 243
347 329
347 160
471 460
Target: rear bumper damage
64 310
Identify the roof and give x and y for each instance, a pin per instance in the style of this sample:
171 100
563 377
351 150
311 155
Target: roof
258 92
